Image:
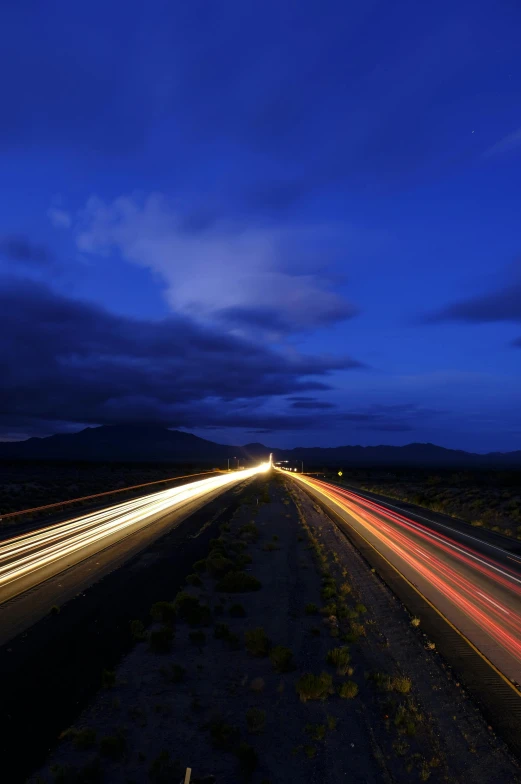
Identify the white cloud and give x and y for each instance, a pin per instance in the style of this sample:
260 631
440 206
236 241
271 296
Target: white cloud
224 267
59 218
506 144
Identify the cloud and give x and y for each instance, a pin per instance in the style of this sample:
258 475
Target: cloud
19 249
501 305
312 404
251 278
506 144
59 218
93 367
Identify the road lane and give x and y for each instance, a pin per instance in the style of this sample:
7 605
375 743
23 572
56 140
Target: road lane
30 559
476 586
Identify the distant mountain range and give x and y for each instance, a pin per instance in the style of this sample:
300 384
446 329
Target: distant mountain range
140 443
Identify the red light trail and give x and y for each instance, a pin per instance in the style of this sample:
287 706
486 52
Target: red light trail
472 586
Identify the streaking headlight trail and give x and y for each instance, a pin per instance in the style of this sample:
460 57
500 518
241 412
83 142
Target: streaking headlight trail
27 560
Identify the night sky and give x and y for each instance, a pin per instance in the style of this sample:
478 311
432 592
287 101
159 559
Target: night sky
290 222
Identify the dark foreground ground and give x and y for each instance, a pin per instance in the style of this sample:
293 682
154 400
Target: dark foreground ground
50 671
244 685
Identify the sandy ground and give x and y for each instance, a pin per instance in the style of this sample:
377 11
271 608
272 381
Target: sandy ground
149 725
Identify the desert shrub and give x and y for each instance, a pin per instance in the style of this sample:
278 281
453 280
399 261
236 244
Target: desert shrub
237 611
238 582
342 610
328 592
218 544
328 609
415 622
282 659
218 565
255 719
237 546
55 610
160 640
257 642
311 609
163 611
197 637
200 566
316 731
339 658
345 588
113 746
83 739
249 531
314 687
404 720
108 679
348 690
137 629
361 609
189 609
194 579
356 630
331 722
401 684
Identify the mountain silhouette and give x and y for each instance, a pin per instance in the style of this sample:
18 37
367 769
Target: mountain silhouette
154 443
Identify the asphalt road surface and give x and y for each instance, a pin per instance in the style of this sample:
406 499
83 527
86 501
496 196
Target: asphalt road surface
474 583
48 566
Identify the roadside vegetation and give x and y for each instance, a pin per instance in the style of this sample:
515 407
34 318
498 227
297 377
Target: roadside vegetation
485 499
269 667
30 484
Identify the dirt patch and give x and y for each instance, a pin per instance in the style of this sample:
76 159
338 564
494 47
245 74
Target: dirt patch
283 659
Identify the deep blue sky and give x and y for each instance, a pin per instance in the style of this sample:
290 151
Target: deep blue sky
294 222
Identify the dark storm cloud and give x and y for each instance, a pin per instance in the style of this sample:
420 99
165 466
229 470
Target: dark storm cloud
501 305
397 418
60 356
388 427
19 249
312 404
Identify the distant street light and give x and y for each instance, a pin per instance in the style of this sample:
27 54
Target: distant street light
233 458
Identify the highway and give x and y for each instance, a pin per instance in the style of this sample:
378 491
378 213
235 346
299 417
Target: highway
474 584
32 558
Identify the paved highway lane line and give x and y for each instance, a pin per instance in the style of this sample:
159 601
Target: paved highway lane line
453 546
47 555
516 691
8 515
432 522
